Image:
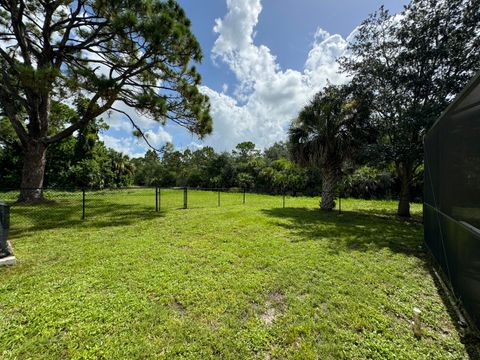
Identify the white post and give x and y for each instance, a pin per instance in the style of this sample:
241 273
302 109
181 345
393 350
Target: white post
417 322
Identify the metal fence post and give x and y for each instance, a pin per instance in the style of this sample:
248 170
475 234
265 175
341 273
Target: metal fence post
159 198
156 198
83 204
244 191
185 198
340 203
284 199
218 198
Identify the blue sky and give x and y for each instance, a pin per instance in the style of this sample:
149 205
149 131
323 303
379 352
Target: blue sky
263 60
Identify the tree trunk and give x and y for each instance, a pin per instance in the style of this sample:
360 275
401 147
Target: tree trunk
31 188
329 182
404 174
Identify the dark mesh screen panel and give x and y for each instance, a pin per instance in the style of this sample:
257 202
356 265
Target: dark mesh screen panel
452 196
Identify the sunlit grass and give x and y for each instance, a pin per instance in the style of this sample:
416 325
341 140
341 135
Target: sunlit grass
232 282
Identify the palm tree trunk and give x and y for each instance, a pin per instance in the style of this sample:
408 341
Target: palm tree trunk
329 183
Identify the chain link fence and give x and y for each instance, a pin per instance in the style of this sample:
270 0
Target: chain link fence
72 207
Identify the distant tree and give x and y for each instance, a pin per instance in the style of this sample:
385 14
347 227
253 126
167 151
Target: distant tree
327 132
198 165
222 171
369 183
87 174
245 181
122 169
245 151
148 169
151 156
282 176
173 162
277 151
248 163
135 54
414 64
59 161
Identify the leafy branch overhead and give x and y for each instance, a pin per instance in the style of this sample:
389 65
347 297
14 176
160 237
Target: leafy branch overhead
110 55
134 52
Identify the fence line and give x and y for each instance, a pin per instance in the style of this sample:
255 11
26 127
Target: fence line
70 207
157 191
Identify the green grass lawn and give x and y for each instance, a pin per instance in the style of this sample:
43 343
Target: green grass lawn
252 281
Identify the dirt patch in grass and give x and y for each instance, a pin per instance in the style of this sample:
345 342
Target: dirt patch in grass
178 307
273 308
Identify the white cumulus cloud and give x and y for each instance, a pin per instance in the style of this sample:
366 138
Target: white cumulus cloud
130 145
266 97
127 145
136 147
159 137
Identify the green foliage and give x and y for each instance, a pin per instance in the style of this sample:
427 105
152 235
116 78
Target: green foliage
245 181
414 64
10 155
86 173
277 151
329 129
61 157
246 151
204 168
245 167
283 176
81 161
328 132
136 53
368 183
62 115
148 171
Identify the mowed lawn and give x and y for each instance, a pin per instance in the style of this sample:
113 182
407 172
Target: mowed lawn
253 281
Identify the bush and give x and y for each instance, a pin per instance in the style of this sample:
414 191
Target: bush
369 183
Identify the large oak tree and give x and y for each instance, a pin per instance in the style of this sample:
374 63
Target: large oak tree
414 63
115 54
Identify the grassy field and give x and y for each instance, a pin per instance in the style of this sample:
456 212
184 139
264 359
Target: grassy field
253 281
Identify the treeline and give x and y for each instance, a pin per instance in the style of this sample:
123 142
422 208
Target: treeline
83 161
245 167
270 171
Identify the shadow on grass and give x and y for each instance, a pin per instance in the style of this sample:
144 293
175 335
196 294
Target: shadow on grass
99 213
351 230
469 336
370 230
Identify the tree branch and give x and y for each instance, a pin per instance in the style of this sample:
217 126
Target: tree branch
140 131
90 114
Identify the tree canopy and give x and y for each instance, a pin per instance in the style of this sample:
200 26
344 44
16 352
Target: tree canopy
113 54
327 132
414 64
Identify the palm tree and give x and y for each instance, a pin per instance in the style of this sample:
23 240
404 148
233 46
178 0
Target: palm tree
122 168
327 132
